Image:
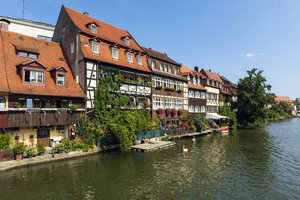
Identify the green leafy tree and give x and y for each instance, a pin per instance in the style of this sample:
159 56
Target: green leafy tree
226 111
253 94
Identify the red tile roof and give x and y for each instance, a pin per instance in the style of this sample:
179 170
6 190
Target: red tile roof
211 75
283 98
108 36
199 87
49 56
159 55
186 71
298 99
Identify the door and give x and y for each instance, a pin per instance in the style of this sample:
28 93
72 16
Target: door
43 135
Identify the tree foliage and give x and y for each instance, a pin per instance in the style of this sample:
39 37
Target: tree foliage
226 111
253 94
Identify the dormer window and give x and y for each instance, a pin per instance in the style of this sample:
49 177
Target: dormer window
194 80
213 83
93 28
188 78
153 64
115 53
207 82
175 71
129 57
140 60
127 41
166 68
34 76
60 79
161 68
25 54
95 47
170 69
198 81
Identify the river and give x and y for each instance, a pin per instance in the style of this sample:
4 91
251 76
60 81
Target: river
260 163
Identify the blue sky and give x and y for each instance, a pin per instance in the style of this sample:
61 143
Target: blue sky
226 36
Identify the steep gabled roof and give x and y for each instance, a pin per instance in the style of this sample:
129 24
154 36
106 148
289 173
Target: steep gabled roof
159 55
104 31
49 56
283 98
211 75
186 71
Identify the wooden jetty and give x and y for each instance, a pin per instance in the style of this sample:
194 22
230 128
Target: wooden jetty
152 146
193 134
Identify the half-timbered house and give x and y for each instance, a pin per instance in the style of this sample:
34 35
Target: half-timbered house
36 90
197 92
96 49
169 88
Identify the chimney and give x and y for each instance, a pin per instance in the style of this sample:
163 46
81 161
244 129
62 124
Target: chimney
196 69
150 48
4 23
209 70
86 13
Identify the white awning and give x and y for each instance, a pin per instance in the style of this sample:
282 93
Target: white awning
215 116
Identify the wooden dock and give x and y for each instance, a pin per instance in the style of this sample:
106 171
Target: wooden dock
193 134
152 146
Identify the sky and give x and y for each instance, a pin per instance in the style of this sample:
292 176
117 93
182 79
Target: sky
227 36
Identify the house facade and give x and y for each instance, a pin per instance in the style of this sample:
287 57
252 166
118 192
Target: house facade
196 91
297 104
96 49
169 88
212 83
228 92
27 27
36 90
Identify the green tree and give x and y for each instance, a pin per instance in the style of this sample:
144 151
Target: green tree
253 94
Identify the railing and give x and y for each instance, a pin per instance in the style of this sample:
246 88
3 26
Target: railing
134 89
176 131
150 134
30 117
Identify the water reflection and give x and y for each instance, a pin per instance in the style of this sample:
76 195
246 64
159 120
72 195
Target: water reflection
247 164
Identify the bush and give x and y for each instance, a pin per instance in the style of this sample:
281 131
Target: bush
31 152
73 107
59 147
19 148
5 141
41 147
193 127
166 138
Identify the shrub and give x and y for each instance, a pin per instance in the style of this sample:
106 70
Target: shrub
19 148
31 151
5 141
41 147
166 138
193 127
17 105
73 107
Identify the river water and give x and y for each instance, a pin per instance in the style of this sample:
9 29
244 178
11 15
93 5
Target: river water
247 164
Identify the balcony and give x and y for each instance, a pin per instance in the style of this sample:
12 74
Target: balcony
135 89
25 117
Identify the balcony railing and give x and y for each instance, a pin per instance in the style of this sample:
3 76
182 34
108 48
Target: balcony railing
135 89
32 117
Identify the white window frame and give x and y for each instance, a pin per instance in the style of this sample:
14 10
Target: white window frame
191 94
117 53
161 67
197 95
197 109
127 41
93 28
175 71
34 75
166 68
207 82
179 104
191 109
97 47
140 60
202 95
129 57
202 110
178 85
194 80
198 80
188 78
63 80
158 103
169 83
157 81
169 103
169 69
153 64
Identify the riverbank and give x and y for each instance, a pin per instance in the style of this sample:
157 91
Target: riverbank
48 157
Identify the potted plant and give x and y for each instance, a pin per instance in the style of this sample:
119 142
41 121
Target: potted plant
73 108
19 149
168 112
17 105
179 112
160 112
179 90
31 152
41 148
158 87
60 149
149 83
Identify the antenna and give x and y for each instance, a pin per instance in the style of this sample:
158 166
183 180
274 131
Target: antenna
23 8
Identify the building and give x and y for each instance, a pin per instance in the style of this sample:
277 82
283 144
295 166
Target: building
212 83
96 49
36 90
228 92
169 88
27 27
197 92
289 101
297 103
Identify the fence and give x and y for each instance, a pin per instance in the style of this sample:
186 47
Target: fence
176 131
149 134
6 155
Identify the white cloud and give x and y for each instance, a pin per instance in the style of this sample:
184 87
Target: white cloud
248 55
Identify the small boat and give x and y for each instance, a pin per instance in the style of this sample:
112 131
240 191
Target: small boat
222 131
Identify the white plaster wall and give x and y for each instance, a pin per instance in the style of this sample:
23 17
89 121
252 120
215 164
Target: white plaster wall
30 30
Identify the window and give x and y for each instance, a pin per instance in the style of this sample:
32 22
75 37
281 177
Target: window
115 53
127 41
93 28
158 103
207 82
188 78
166 68
213 83
27 55
217 83
191 94
2 102
194 80
60 79
198 80
207 95
129 57
95 47
34 76
202 95
36 103
29 103
153 64
170 69
169 83
197 109
191 109
161 67
178 85
179 104
156 81
72 47
197 95
169 103
140 60
45 37
202 109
